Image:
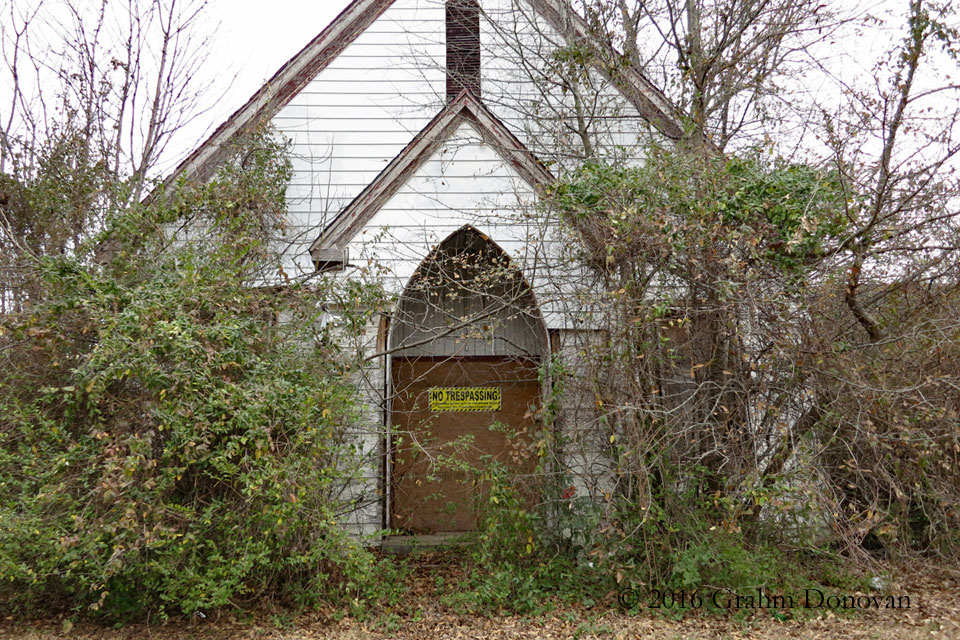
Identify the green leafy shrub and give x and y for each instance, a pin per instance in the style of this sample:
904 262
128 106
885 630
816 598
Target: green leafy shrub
508 530
775 211
516 565
745 406
171 439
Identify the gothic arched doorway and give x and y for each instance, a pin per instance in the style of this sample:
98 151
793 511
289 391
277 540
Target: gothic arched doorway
467 342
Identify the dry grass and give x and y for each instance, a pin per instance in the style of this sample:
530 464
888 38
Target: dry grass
934 614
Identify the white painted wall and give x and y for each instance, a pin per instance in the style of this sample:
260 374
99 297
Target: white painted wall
359 113
349 122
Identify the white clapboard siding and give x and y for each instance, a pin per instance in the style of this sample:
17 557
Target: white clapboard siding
358 113
362 495
348 123
468 183
465 183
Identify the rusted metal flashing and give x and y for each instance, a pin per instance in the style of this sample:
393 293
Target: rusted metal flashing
464 108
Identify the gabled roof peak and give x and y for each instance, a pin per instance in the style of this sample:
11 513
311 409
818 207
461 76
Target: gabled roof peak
277 92
293 76
464 108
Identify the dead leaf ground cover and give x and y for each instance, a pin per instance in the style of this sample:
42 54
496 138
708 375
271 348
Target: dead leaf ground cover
425 614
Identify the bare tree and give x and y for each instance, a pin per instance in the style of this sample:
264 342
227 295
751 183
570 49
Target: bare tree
746 345
93 95
725 64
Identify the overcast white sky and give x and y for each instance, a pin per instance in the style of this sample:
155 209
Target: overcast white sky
251 39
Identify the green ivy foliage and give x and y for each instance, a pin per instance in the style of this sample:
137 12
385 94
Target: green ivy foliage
772 210
171 439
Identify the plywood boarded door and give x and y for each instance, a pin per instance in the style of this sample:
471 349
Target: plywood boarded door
431 494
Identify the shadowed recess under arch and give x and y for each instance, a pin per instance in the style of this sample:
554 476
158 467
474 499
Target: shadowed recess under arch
468 299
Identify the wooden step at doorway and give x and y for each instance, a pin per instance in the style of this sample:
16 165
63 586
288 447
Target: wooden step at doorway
403 545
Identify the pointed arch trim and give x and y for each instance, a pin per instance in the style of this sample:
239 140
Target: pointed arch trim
467 298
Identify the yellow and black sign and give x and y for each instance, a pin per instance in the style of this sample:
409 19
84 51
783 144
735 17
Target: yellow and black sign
465 399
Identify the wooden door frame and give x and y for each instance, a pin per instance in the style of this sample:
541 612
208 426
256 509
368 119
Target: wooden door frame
547 349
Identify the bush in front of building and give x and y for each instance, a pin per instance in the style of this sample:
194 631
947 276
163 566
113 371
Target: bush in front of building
746 404
171 441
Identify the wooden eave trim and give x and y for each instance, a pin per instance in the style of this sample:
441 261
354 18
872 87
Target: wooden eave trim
464 108
652 104
279 90
508 146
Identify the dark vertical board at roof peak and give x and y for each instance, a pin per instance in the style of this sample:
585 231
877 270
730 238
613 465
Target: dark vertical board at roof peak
463 47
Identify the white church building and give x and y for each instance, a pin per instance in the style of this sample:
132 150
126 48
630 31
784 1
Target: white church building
423 133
